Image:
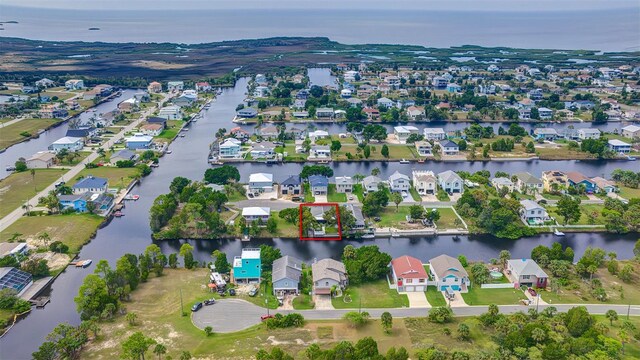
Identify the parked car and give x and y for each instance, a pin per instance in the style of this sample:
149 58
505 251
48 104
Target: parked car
350 197
532 292
59 183
210 301
196 307
232 292
253 292
296 198
376 219
265 317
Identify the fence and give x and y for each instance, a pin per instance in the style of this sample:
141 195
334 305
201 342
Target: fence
498 286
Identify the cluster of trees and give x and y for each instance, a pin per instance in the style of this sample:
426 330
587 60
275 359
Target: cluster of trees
365 263
626 177
597 147
502 145
375 202
309 170
9 300
222 175
476 132
365 348
374 132
199 211
137 344
279 321
621 217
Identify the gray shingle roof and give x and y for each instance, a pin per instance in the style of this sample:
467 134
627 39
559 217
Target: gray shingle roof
445 265
526 267
286 267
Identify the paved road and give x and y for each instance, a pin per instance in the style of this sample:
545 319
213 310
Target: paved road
33 202
230 315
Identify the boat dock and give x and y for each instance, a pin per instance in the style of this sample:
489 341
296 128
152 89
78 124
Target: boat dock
31 294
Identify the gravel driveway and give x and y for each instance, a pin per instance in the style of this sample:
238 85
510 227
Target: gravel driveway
228 315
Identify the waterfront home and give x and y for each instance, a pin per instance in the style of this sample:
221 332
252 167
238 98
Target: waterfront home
399 182
247 113
74 84
285 275
327 274
434 134
260 182
138 141
533 213
171 112
548 134
454 88
82 132
577 179
554 180
247 268
372 114
102 203
424 182
269 132
415 113
41 160
52 111
584 134
13 249
45 83
424 148
345 93
619 146
448 147
354 102
264 150
174 86
320 152
502 182
356 211
128 106
631 132
450 182
545 113
324 113
385 102
291 186
526 272
604 185
90 184
524 114
123 155
154 87
318 134
449 274
183 101
203 86
297 133
344 184
532 184
579 105
535 94
402 133
371 183
439 82
319 184
151 129
261 91
239 134
408 274
68 143
229 149
254 213
14 279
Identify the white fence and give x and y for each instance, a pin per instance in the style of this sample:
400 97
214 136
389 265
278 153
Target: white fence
498 286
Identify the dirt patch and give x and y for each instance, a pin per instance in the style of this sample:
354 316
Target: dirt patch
54 260
159 65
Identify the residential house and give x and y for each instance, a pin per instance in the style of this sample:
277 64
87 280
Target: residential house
408 274
532 184
260 182
229 149
320 152
524 113
631 132
548 134
399 182
371 183
239 134
619 146
532 212
83 132
454 88
68 143
17 280
502 182
526 272
584 134
263 150
13 249
41 160
434 134
203 87
247 113
402 133
291 186
345 93
448 147
424 148
425 182
344 184
385 102
578 179
354 102
554 180
175 86
372 114
415 113
545 113
171 112
360 223
319 184
45 83
90 184
183 101
327 274
247 268
450 182
535 94
449 274
123 155
439 82
605 185
138 141
154 87
142 97
269 132
74 84
151 129
52 111
286 273
318 134
325 113
251 214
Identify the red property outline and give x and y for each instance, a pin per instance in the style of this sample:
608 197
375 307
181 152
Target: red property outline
339 237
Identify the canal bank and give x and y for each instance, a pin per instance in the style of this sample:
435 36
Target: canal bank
131 233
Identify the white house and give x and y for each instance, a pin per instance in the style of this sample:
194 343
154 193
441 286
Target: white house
448 147
631 132
399 182
256 213
619 146
320 152
424 182
424 148
402 133
415 113
261 182
584 134
449 274
344 184
171 112
41 160
74 84
69 143
532 212
450 182
434 134
545 113
371 183
385 102
264 150
318 134
502 182
230 148
175 86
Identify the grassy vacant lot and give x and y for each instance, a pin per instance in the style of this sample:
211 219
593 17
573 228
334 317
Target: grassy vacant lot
629 193
396 152
447 218
17 188
117 177
334 196
478 296
371 295
11 134
424 334
284 229
74 230
584 210
392 218
435 297
303 302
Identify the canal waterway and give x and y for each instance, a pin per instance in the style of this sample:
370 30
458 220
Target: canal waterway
131 233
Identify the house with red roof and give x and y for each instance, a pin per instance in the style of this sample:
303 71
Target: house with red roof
409 274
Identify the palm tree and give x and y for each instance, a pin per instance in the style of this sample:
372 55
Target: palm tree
45 238
612 315
33 178
160 350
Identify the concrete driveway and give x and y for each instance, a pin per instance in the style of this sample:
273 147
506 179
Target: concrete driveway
457 301
417 299
228 315
323 302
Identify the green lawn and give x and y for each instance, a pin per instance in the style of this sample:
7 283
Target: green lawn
334 196
584 210
284 229
358 191
308 196
17 188
264 298
447 218
81 156
435 297
371 295
117 177
392 218
74 230
629 193
478 296
303 302
168 134
11 134
414 194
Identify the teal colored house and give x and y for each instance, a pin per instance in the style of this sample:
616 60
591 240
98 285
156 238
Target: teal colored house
247 267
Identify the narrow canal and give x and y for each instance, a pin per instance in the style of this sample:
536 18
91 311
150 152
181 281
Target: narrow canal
131 234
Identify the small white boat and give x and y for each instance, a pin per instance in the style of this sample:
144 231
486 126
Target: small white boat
168 152
557 232
368 236
182 135
405 161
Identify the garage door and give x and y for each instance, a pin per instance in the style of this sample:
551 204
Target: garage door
410 288
420 288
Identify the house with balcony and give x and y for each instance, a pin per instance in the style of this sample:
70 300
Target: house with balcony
554 181
408 274
399 182
291 186
619 146
424 148
328 274
425 182
526 272
171 112
434 134
533 213
527 183
371 183
263 150
344 184
90 184
319 184
68 143
450 182
588 133
230 149
503 182
448 147
402 133
247 268
449 274
547 134
260 182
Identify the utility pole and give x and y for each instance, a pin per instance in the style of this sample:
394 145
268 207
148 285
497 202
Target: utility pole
181 306
628 311
266 302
